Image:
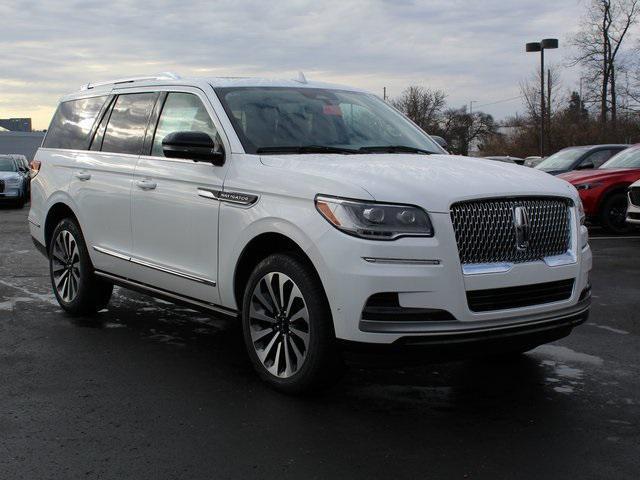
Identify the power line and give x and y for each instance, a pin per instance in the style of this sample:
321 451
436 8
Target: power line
500 101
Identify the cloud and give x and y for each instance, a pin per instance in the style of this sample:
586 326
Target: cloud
472 49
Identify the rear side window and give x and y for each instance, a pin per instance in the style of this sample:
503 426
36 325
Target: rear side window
128 123
72 123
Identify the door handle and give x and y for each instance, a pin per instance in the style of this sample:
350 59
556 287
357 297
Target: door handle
146 184
83 176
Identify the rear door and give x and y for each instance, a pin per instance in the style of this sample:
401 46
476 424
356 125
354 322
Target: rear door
103 176
174 214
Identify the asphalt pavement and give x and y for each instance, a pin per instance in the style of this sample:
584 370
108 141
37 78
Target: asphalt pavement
157 391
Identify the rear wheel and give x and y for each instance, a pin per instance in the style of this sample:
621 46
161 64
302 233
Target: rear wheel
287 326
614 213
76 287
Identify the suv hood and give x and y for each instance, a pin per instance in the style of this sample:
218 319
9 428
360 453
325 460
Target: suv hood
584 176
431 181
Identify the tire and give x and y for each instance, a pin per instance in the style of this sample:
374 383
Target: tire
613 213
78 290
293 351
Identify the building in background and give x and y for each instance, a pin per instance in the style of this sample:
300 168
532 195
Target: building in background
16 124
23 143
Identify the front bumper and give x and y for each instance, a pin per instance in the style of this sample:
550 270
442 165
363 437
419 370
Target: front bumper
633 213
461 343
10 193
350 280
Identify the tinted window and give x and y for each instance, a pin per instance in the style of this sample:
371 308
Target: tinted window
182 112
599 157
96 144
7 165
72 123
563 159
128 123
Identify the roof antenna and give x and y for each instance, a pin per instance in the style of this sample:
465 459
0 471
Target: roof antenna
301 78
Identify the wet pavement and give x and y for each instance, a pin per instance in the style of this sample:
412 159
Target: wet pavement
157 391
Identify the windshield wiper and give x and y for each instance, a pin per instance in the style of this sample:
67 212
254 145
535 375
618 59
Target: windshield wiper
395 149
305 149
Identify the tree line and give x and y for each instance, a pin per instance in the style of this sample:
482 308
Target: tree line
605 108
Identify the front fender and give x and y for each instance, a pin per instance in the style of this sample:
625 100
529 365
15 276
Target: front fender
295 219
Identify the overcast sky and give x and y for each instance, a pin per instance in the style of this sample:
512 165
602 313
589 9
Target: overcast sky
474 50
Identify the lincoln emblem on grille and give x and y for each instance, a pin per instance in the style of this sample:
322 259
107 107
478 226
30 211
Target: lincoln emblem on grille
522 226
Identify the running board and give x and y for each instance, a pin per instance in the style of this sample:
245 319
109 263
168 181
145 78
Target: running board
165 294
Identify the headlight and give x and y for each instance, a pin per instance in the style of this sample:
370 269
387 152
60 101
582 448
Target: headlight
588 186
372 220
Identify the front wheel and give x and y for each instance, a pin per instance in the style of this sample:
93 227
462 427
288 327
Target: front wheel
287 326
614 213
78 290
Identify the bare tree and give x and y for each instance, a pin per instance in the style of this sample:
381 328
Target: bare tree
462 129
604 29
422 105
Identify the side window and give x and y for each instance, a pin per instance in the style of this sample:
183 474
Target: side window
182 112
96 143
72 123
599 157
128 123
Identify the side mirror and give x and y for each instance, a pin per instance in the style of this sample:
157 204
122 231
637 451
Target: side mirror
585 166
440 141
196 146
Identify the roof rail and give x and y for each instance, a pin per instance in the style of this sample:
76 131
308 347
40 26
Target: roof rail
118 81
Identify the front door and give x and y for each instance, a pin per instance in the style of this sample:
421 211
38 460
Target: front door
174 220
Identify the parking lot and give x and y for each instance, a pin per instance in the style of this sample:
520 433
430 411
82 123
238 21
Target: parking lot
160 391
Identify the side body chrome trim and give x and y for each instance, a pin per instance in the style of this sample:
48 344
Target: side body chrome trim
132 284
154 266
229 197
34 223
401 261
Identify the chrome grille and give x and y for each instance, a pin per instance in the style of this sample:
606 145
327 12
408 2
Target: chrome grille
634 196
485 230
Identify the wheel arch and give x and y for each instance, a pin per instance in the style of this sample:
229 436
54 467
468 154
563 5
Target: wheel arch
618 188
259 248
55 213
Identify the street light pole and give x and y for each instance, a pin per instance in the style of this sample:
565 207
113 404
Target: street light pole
541 46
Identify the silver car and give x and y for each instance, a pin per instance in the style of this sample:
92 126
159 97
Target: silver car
14 181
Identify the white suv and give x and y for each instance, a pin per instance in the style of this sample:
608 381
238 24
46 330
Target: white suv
318 215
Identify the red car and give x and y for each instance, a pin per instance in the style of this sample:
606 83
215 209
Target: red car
603 190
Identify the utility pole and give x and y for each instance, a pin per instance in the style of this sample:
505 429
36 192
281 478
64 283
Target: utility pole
384 93
541 46
549 107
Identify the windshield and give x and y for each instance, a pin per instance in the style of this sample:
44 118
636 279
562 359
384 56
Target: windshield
562 160
7 165
301 120
629 158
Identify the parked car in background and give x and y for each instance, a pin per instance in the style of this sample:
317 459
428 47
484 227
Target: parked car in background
26 168
14 181
506 159
604 190
440 141
633 208
533 161
315 215
579 158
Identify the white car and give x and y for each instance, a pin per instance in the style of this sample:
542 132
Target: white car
633 210
320 217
